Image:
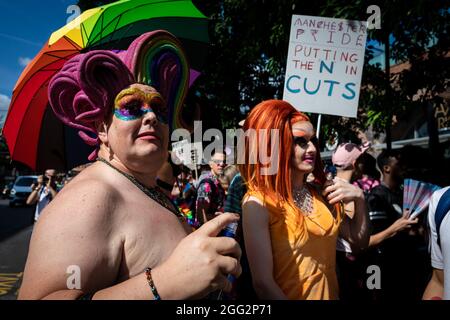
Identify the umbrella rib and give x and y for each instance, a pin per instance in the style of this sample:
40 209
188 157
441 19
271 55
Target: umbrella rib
117 19
83 30
73 43
48 53
128 28
34 73
134 8
101 27
54 56
117 23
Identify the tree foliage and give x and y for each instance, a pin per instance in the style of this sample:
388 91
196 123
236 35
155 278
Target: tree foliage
248 48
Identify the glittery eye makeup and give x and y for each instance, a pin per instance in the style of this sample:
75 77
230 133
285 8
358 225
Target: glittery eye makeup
133 103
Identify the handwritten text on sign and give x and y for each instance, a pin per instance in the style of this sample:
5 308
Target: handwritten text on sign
325 64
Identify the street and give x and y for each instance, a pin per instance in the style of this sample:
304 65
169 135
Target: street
16 225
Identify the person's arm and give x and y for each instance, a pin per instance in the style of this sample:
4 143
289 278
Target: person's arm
399 225
52 188
34 195
435 287
90 244
259 249
355 230
35 187
204 202
202 209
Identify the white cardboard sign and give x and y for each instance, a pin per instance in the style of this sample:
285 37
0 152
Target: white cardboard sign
189 154
325 64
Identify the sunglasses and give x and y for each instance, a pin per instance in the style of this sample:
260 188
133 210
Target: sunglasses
303 142
219 161
133 103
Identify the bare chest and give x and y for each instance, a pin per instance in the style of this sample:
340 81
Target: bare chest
150 233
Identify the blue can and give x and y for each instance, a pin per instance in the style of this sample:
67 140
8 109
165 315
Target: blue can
229 231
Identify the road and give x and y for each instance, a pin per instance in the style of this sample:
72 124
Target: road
16 225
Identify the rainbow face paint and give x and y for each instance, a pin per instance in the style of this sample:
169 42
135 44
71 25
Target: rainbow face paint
133 103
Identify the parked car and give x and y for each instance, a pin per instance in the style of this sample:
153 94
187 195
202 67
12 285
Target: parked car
21 190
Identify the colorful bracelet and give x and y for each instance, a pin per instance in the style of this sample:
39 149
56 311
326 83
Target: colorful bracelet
148 273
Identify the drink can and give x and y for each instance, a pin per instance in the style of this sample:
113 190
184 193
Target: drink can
229 231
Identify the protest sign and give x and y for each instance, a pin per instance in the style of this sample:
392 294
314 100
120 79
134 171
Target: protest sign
188 154
325 64
181 152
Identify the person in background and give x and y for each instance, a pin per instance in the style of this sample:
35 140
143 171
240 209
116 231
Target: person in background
228 174
210 194
366 176
236 192
349 268
43 192
233 203
185 195
390 246
189 191
439 221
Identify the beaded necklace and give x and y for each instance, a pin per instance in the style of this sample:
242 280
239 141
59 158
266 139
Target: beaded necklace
154 193
303 199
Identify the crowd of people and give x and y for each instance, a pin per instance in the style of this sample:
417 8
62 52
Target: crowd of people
392 241
140 227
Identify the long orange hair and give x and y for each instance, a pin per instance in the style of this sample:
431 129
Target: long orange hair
279 115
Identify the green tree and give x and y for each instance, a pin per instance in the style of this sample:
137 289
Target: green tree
248 49
414 31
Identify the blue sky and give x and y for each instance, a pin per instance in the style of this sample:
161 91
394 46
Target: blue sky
25 25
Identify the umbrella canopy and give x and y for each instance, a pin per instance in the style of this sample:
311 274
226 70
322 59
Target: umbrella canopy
30 130
116 25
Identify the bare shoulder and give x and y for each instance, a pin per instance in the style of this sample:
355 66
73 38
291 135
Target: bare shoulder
76 229
252 199
254 211
86 209
87 196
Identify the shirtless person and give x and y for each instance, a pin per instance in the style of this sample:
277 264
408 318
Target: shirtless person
107 225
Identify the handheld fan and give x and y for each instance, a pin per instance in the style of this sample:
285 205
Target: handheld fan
416 196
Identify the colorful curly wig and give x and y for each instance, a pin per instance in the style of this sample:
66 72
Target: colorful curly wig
82 93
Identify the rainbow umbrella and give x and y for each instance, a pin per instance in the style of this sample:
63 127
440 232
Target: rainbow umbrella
33 134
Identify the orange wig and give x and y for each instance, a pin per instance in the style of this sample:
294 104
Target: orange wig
266 116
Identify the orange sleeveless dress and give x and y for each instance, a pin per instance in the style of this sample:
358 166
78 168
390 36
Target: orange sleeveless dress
304 254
